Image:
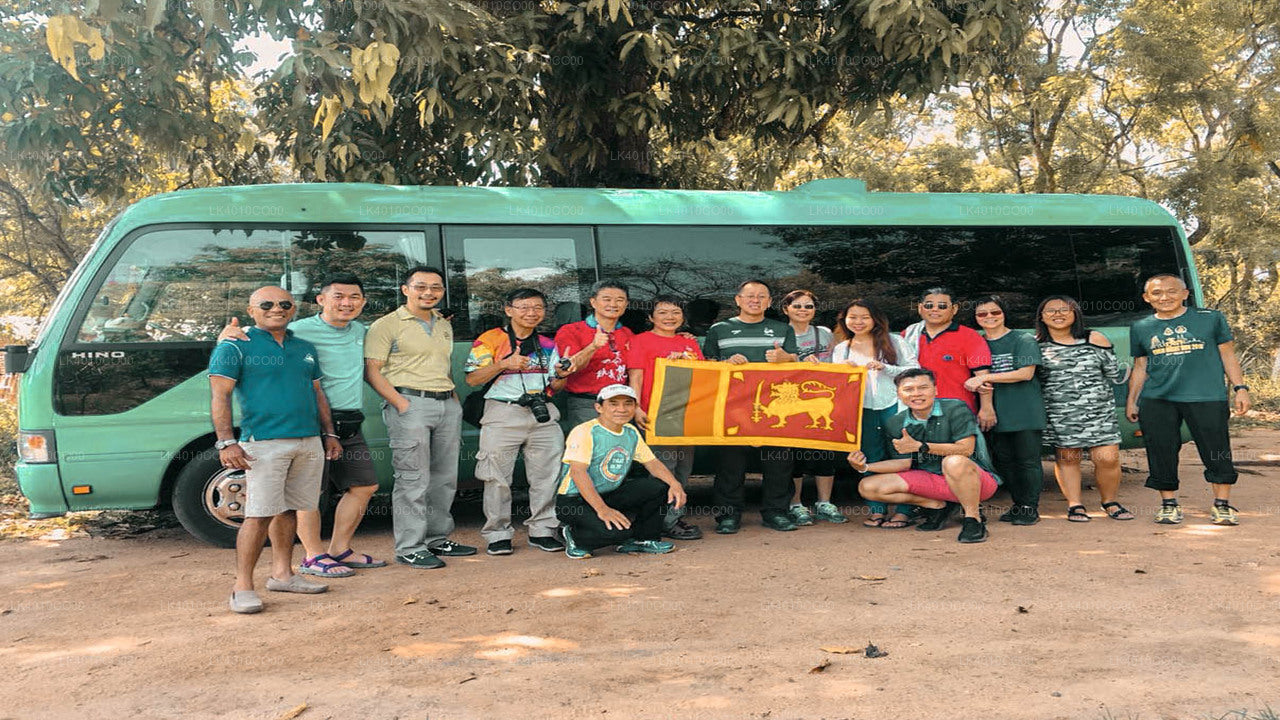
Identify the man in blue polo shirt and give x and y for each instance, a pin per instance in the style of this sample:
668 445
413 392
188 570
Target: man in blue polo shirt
276 378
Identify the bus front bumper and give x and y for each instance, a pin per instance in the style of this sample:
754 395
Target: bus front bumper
42 487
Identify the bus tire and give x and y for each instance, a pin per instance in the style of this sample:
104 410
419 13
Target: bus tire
209 499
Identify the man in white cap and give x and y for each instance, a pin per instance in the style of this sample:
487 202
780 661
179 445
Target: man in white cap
596 503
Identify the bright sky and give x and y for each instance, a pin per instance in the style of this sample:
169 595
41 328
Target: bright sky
268 51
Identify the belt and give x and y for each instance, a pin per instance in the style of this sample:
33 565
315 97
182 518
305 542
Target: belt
590 396
434 395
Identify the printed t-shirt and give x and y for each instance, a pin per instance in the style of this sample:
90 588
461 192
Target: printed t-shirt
607 455
950 421
1020 405
752 340
274 384
647 347
1183 363
341 354
606 367
814 341
495 344
953 355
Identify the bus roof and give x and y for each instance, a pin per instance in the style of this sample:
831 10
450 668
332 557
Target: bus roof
821 202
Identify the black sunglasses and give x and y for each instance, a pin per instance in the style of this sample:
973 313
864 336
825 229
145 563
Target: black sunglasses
268 304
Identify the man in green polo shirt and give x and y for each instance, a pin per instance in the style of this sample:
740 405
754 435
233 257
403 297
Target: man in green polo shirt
407 355
939 459
276 378
1180 357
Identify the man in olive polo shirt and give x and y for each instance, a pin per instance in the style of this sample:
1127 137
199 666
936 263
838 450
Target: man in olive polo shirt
407 355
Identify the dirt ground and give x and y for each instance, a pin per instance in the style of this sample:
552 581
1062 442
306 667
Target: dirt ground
1100 620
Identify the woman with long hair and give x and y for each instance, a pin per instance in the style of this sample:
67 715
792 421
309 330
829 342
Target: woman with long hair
1080 410
813 344
863 340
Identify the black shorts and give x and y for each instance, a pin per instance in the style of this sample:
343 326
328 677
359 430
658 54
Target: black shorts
354 468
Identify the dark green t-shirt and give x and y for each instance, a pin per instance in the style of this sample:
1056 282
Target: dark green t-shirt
731 337
1183 364
1019 406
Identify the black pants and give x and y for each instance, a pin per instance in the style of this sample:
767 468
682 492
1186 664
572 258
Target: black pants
1161 422
775 490
641 499
1016 456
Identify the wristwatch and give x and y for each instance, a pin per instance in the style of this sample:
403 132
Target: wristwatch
1238 388
924 448
224 444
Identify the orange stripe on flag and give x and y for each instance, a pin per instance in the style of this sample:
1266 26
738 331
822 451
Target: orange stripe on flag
699 414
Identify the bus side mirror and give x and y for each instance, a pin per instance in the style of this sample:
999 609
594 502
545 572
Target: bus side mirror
16 358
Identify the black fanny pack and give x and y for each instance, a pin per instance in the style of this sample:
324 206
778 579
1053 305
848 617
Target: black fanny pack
346 423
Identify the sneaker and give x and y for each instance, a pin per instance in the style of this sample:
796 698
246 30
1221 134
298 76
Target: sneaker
1026 515
1224 515
296 584
1009 514
421 560
571 548
245 602
652 547
780 522
800 515
1169 515
683 531
828 512
973 530
728 525
936 518
499 547
449 548
546 544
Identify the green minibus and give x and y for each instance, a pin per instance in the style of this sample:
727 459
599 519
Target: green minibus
114 402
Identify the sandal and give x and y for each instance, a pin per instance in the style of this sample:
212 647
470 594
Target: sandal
1076 513
1119 512
324 565
874 521
360 561
892 524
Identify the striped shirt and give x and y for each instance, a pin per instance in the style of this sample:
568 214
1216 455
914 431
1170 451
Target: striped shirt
751 340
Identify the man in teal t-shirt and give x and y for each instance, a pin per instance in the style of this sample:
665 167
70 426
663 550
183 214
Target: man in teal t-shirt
339 342
1180 356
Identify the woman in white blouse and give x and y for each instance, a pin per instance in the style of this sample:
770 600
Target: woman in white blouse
863 339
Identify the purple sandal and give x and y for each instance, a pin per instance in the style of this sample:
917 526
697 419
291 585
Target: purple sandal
324 565
364 561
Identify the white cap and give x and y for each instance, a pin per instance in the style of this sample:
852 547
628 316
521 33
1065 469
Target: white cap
614 390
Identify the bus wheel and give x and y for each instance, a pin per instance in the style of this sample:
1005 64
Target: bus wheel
209 499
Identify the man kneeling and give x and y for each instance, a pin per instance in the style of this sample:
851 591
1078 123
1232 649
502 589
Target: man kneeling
938 460
596 503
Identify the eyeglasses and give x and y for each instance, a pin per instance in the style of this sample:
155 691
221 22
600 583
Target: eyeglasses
268 304
426 288
939 306
989 313
797 306
529 308
1057 311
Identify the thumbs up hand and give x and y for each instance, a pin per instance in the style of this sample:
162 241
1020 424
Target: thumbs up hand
232 331
776 354
906 444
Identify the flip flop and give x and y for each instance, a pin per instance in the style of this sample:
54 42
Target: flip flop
364 561
324 565
874 522
898 524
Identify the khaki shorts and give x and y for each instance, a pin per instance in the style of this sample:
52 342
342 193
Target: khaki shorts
283 475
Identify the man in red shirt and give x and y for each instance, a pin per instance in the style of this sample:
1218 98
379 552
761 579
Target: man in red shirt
662 341
952 351
597 347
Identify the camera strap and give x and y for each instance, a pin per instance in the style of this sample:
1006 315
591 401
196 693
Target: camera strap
536 339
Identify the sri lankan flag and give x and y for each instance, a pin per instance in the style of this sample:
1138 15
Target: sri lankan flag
800 404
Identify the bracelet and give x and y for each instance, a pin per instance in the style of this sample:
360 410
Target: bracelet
1238 388
335 437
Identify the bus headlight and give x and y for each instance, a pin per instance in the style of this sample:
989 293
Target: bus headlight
36 447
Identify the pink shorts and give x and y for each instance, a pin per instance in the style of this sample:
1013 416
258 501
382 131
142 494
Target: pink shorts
927 484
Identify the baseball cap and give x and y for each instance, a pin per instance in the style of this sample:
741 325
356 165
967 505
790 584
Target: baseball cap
614 390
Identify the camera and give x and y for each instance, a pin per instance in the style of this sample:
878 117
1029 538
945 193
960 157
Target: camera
537 404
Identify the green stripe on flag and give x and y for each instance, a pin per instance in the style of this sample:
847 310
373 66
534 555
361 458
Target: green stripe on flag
675 398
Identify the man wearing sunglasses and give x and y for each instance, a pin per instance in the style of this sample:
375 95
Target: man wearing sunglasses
276 378
952 351
408 361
